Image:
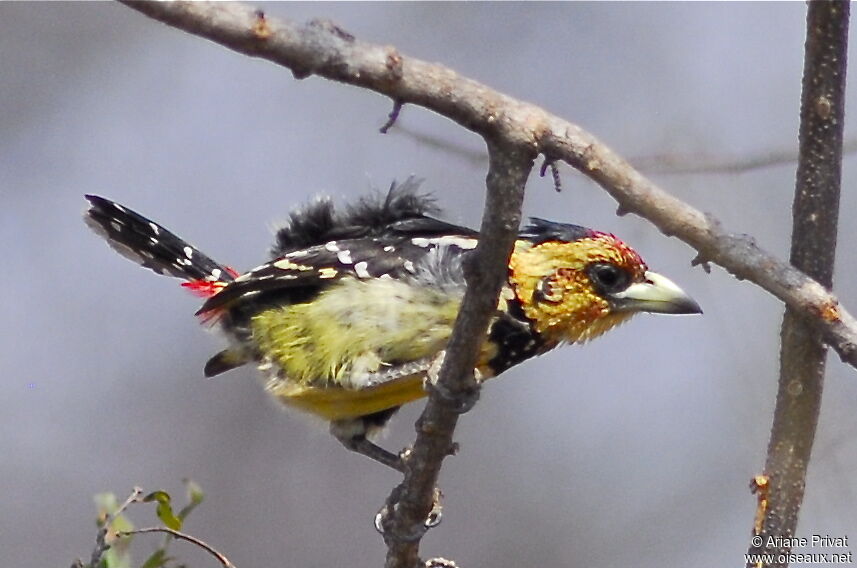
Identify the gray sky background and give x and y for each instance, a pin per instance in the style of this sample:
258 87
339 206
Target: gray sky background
635 450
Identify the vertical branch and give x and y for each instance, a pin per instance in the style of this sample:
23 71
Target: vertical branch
815 214
404 516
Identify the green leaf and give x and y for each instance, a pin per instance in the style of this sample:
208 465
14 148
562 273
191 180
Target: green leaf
114 558
195 496
157 560
106 504
121 524
164 509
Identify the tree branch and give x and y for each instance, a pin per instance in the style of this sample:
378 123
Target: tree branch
410 503
324 49
813 250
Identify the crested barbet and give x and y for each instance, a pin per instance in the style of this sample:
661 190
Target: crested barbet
355 307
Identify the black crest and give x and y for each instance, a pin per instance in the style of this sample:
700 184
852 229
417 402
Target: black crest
542 230
402 211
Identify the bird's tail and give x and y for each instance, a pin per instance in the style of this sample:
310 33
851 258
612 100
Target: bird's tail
152 246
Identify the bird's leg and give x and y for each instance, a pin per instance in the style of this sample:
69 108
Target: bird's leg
371 450
352 435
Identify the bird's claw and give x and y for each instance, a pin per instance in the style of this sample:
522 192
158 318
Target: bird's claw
432 520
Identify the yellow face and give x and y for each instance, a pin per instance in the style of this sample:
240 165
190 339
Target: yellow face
565 287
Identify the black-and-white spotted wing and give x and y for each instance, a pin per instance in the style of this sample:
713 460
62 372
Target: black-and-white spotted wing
436 260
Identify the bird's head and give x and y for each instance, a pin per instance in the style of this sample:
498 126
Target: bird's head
575 283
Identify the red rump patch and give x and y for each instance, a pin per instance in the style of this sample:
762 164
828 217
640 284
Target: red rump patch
204 288
207 289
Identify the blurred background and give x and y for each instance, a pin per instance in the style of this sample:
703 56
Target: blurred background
635 450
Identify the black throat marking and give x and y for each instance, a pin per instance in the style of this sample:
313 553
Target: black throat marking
515 337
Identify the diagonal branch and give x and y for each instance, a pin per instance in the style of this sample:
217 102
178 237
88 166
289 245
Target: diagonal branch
324 49
815 218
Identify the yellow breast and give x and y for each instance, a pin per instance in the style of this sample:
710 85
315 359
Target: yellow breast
337 403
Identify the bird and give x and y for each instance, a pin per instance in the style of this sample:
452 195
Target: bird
356 304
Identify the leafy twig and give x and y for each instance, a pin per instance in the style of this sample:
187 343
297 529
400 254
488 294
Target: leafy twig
101 544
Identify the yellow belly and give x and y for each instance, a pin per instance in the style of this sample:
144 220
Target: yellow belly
337 403
324 352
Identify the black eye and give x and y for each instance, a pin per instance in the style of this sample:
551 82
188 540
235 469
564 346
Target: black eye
609 278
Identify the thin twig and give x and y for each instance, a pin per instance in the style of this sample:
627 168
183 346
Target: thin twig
182 536
324 49
551 163
392 117
477 158
813 250
704 164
